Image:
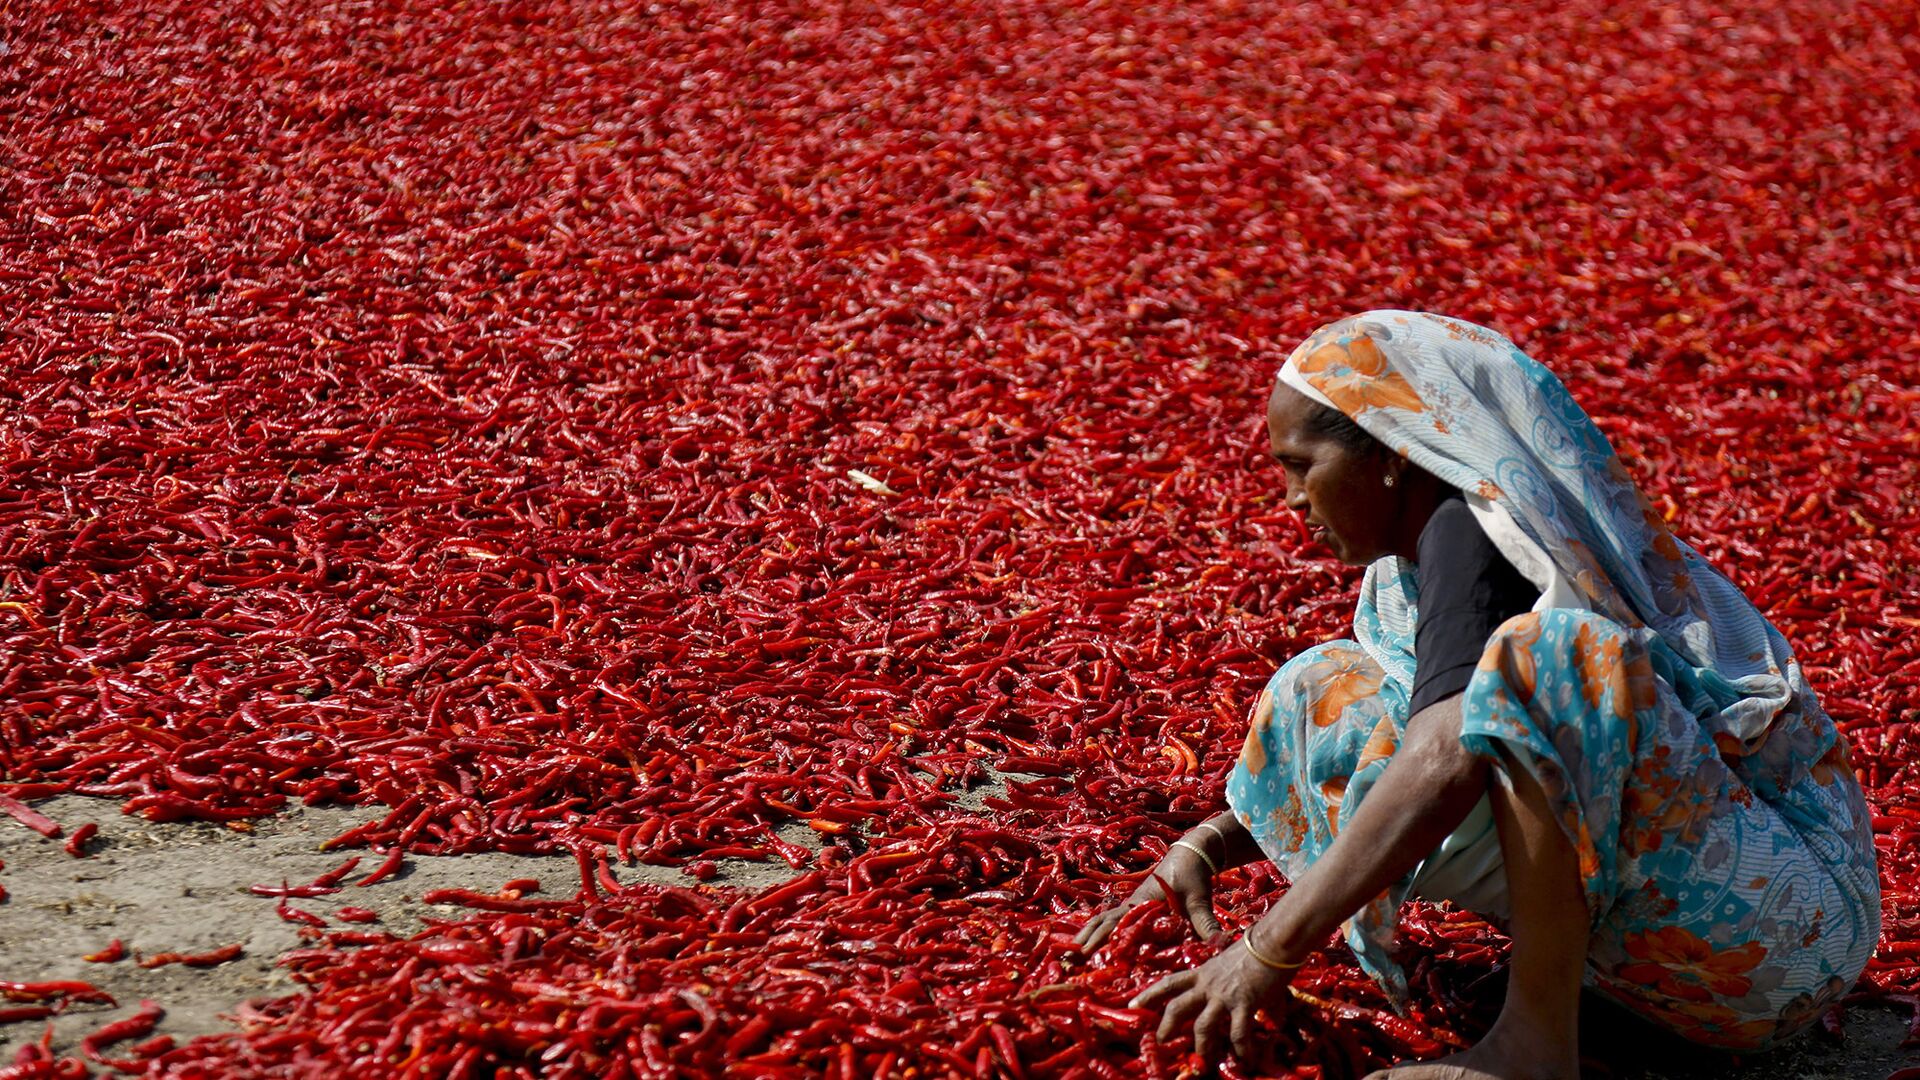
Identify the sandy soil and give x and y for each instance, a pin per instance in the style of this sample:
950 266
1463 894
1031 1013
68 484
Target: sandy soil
183 887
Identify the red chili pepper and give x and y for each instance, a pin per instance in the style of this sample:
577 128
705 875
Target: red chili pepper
115 951
31 818
356 915
137 1026
295 915
386 868
468 898
71 990
336 875
304 892
153 1047
76 843
210 958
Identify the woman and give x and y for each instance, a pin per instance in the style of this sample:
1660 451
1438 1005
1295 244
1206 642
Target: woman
1555 713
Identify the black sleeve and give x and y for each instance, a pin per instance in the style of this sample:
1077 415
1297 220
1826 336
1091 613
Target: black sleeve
1467 589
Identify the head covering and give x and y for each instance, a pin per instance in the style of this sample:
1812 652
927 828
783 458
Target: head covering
1464 403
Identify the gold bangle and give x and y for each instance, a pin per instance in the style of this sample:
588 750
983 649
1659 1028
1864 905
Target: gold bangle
1212 867
1215 830
1247 940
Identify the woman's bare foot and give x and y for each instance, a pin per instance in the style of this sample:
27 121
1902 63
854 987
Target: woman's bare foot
1537 1036
1500 1056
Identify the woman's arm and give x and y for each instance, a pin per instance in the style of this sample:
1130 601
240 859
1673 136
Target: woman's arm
1427 789
1429 786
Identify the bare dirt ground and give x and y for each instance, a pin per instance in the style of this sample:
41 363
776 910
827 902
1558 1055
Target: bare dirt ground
183 888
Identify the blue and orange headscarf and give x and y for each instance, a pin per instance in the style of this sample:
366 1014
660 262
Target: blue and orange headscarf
1464 403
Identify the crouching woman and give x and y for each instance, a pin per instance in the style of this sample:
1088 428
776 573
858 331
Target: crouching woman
1553 712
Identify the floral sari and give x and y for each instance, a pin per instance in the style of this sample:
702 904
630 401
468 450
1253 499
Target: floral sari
1724 844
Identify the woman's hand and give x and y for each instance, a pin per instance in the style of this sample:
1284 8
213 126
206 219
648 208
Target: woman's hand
1219 998
1192 885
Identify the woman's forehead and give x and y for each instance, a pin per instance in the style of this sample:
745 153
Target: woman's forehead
1287 413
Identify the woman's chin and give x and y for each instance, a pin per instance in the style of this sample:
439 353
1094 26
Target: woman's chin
1332 543
1346 555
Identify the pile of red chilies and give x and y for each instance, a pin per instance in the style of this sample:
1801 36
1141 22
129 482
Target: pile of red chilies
561 428
943 952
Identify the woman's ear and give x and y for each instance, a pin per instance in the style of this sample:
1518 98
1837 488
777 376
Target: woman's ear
1393 469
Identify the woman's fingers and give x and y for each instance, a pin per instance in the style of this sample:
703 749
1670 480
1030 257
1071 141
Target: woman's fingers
1179 1011
1208 1030
1242 1034
1199 905
1212 1031
1086 932
1172 984
1097 929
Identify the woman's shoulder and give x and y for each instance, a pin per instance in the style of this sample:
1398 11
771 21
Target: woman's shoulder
1450 525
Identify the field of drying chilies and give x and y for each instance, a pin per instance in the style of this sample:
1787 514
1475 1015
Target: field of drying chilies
674 434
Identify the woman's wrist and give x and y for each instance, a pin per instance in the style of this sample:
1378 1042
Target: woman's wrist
1227 840
1246 942
1272 946
1197 851
1218 843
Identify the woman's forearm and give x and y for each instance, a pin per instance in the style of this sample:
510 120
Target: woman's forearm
1428 788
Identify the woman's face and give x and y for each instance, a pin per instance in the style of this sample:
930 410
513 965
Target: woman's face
1341 493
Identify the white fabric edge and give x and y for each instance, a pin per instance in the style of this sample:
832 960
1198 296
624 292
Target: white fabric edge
1290 374
1525 555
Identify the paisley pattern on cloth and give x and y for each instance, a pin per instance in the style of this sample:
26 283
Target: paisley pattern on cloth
1724 842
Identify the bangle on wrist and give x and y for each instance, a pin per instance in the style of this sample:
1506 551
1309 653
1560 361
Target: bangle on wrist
1215 830
1247 940
1212 867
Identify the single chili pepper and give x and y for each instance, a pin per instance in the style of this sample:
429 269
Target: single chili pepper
386 868
115 951
1410 1039
39 991
137 1026
356 914
485 901
31 818
336 875
76 843
304 892
211 958
153 1047
295 915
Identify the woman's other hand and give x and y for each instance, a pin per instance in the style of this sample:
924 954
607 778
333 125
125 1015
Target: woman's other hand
1219 998
1191 880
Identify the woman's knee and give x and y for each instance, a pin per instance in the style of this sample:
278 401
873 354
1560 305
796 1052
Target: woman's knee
1592 657
1286 696
1323 684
